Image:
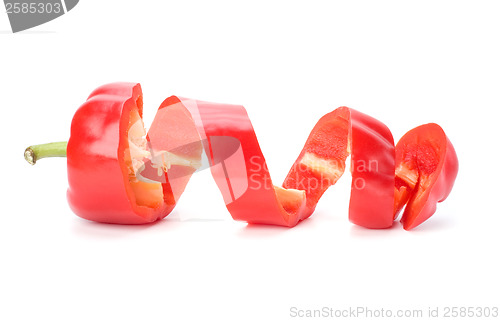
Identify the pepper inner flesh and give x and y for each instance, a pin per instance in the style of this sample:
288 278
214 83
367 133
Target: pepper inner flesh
290 199
322 161
160 163
419 162
149 194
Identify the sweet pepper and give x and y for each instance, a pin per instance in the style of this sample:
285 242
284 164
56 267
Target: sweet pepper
119 174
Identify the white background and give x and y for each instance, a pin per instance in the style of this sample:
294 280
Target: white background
288 63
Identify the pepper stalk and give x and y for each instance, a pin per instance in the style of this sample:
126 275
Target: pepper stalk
35 152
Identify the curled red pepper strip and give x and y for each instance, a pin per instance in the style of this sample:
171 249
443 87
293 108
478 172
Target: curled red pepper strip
245 182
118 174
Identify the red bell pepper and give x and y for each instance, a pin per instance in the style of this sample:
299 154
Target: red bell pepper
118 174
104 148
101 154
427 166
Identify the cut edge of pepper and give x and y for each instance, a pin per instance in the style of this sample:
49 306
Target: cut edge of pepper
320 161
418 171
146 198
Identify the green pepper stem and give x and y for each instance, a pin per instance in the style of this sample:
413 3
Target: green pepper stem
36 152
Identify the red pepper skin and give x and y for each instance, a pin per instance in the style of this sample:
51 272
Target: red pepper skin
426 169
372 166
97 174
